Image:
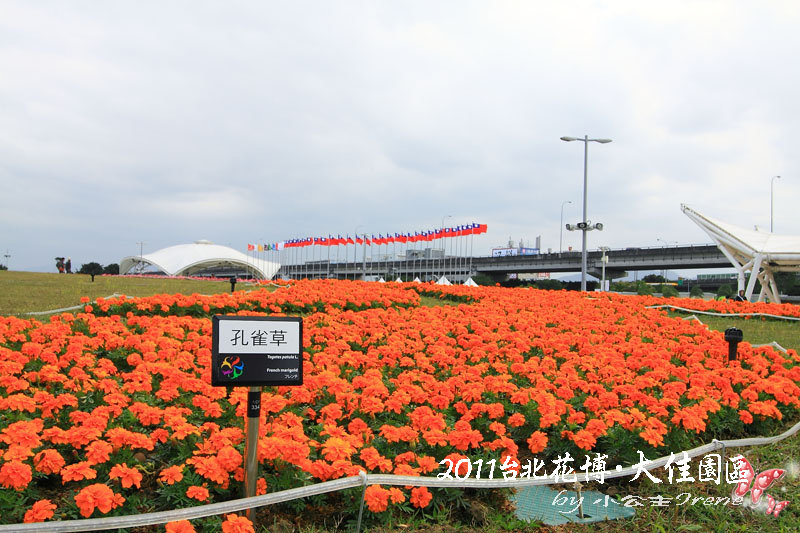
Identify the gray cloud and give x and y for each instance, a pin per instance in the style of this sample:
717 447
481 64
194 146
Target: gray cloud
167 123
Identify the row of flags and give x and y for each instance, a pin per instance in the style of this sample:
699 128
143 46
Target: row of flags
417 236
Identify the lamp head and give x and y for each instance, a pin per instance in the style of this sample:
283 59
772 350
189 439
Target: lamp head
603 141
569 139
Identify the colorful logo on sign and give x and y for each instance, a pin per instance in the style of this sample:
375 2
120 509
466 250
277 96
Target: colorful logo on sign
231 367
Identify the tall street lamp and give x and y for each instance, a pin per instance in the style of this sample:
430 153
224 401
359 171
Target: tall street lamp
584 226
771 199
561 234
666 244
604 261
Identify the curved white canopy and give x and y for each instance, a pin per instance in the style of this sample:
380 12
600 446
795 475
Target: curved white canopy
758 252
188 259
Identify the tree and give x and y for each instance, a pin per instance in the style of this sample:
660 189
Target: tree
725 290
91 268
643 289
786 282
654 278
113 268
3 267
482 279
668 291
549 284
696 292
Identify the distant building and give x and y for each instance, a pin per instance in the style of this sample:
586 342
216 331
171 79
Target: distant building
201 258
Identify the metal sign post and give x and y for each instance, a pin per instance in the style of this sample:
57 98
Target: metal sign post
251 446
255 351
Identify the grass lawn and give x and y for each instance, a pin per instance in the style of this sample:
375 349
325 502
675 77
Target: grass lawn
24 292
757 330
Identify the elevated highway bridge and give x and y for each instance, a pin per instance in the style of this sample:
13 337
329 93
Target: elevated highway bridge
619 262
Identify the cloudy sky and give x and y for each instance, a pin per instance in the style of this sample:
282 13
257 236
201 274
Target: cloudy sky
237 122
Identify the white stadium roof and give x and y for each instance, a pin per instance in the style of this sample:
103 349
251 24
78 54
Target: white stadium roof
758 252
189 259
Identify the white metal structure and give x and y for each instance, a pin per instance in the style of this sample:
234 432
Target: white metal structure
190 259
759 252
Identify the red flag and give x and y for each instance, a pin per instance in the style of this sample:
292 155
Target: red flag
250 247
482 228
359 240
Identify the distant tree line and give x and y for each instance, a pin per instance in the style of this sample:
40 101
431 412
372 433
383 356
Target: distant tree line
97 269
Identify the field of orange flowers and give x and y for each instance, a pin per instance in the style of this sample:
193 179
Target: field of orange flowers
110 411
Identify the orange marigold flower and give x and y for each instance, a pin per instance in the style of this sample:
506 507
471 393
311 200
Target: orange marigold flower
396 495
421 497
336 449
237 524
78 472
129 477
584 439
377 498
209 468
97 496
15 475
40 511
427 464
17 452
171 475
25 433
48 461
498 428
198 493
98 452
652 437
181 526
745 416
462 466
374 460
516 420
537 442
229 458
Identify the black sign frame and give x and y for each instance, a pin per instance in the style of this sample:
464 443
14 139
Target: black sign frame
238 369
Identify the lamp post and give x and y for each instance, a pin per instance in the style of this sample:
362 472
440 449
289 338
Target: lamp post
771 199
584 226
666 244
561 234
604 260
140 266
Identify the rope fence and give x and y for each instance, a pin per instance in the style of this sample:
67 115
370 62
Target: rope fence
363 480
64 309
685 310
